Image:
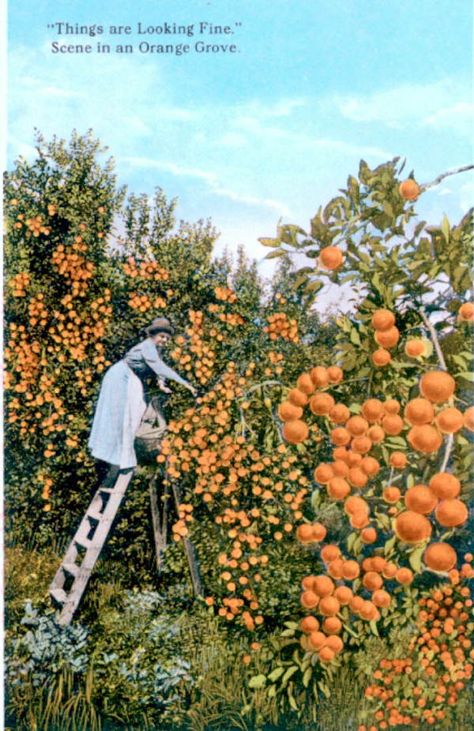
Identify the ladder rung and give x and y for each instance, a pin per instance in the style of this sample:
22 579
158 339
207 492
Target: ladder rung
94 514
106 489
58 595
82 541
71 568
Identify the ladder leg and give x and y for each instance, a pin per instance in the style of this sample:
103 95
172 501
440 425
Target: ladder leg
190 550
159 521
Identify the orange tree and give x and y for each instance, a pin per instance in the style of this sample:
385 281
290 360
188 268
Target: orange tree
391 479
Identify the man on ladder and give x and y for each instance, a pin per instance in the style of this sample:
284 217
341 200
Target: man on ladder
121 415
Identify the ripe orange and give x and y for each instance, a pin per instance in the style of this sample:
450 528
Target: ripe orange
381 357
319 531
469 418
331 257
412 527
334 643
326 654
440 557
335 568
323 586
387 338
415 348
359 520
288 411
304 533
391 406
409 189
356 604
343 594
378 563
404 576
305 384
335 374
372 409
376 434
340 468
356 504
340 436
437 386
319 376
419 411
323 473
445 485
398 460
309 624
339 414
338 488
356 426
420 499
449 420
329 606
368 535
295 431
368 610
351 570
451 513
330 552
361 445
297 397
383 319
391 494
321 404
392 424
309 599
317 640
357 477
381 598
372 581
466 312
425 438
332 625
389 570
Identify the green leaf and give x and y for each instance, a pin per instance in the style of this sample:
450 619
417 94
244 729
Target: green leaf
258 681
467 375
275 674
275 254
270 242
291 671
445 228
414 558
374 628
307 676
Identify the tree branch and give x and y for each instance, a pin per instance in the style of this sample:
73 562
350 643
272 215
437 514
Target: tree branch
441 177
447 454
435 340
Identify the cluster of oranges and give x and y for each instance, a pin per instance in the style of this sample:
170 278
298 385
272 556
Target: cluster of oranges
72 265
386 336
38 314
185 516
232 319
438 668
143 303
19 284
255 497
196 356
34 225
281 326
225 294
145 270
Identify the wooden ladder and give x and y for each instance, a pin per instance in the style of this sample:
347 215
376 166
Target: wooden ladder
71 578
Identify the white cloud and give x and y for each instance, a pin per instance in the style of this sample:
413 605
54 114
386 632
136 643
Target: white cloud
459 117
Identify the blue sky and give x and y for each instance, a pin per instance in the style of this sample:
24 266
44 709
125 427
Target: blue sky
269 132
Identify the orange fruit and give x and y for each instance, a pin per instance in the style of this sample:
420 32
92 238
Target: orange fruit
391 494
368 611
437 386
356 504
382 319
343 594
323 473
398 460
372 409
451 513
414 348
368 535
331 257
372 581
338 488
297 397
392 424
321 404
335 568
354 459
420 499
391 406
339 414
361 445
329 606
381 598
340 436
330 552
305 384
469 418
376 434
356 426
351 569
318 531
319 376
288 411
357 477
335 374
389 570
332 625
334 643
387 338
419 411
340 468
323 586
295 431
425 438
359 520
412 527
440 556
326 654
381 357
304 533
466 312
356 604
409 189
309 624
445 485
449 420
309 599
378 563
404 576
317 640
